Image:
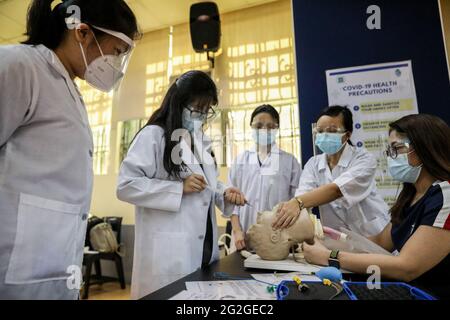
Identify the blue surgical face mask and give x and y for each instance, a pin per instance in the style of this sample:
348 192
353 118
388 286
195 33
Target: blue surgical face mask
264 137
329 143
192 124
401 170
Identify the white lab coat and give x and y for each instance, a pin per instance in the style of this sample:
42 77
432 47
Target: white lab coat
265 185
45 174
170 225
361 208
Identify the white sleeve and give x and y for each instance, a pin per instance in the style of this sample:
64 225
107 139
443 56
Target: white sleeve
295 177
18 88
137 183
355 183
308 179
226 208
233 181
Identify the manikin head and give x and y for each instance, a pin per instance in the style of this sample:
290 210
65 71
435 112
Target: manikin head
275 245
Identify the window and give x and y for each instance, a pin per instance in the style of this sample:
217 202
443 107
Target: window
230 132
99 109
128 130
100 135
239 133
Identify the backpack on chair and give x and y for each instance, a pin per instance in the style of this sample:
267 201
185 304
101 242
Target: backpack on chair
103 239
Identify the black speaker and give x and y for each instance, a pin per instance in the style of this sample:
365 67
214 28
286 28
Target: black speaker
205 27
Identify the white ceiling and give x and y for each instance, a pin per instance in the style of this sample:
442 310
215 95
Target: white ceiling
151 14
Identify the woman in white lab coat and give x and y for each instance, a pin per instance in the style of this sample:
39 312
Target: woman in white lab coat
341 181
46 143
170 175
266 174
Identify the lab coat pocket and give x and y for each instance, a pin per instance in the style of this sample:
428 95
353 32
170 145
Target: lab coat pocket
171 254
45 242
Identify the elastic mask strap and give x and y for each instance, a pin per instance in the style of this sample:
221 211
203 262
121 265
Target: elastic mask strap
420 165
82 53
98 45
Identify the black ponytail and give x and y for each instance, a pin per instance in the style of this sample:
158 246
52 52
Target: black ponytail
47 26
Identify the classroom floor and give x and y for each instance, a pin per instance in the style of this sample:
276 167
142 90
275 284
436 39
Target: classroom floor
109 291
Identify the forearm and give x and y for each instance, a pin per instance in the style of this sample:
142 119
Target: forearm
391 267
384 239
321 195
235 223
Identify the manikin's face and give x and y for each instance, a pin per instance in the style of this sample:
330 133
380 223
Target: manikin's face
275 245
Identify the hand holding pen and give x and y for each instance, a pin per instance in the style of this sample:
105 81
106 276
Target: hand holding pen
197 183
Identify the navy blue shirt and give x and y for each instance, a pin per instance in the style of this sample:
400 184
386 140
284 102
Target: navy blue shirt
432 210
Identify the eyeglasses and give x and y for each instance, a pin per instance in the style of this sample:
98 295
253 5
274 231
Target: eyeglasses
394 150
269 126
331 129
194 113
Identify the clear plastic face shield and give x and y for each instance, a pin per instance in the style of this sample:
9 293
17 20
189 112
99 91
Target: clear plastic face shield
106 71
264 134
122 59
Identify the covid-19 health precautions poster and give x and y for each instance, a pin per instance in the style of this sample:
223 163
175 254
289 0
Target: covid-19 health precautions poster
377 95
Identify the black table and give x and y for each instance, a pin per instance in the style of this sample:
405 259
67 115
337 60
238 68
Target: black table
232 264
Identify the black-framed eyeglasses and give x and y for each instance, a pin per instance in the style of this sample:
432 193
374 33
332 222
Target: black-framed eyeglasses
194 113
393 151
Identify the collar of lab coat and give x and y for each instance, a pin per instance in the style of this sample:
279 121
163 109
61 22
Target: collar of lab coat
254 154
344 161
274 149
53 60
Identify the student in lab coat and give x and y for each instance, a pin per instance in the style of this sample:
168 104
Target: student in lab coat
46 143
341 181
170 175
266 174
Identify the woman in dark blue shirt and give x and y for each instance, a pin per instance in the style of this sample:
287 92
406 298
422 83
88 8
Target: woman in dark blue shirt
419 156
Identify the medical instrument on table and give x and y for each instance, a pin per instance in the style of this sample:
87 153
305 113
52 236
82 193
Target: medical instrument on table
334 234
271 287
330 273
308 290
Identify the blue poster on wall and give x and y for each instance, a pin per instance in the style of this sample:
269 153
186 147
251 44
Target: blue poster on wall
333 34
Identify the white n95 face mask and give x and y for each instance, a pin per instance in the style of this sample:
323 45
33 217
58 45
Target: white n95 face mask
105 72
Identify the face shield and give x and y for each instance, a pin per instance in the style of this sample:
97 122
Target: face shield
106 71
121 61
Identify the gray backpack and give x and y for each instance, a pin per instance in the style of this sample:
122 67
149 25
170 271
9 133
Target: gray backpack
103 239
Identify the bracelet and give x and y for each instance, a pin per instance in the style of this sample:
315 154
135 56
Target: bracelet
301 205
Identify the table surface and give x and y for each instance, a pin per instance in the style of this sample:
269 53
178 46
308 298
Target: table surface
232 264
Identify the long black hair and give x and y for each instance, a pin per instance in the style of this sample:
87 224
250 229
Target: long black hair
47 26
335 111
192 86
430 138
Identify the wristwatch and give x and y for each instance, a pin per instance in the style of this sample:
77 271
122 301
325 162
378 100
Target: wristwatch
333 261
